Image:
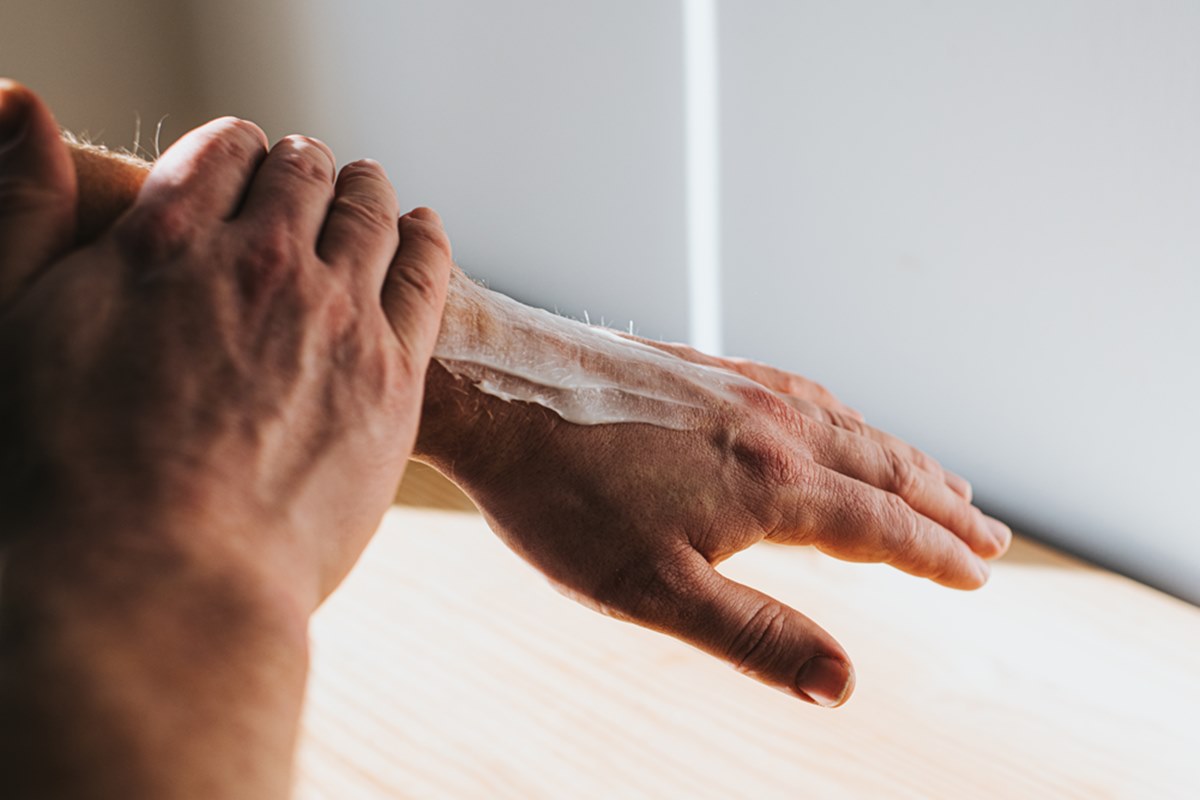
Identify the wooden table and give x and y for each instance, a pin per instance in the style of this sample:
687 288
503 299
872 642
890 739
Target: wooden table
447 668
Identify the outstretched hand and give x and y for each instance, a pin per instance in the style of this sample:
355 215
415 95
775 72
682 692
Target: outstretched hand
632 519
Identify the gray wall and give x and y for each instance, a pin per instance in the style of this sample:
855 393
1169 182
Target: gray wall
981 223
105 66
976 221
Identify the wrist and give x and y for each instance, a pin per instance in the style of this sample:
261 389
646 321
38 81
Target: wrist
472 437
121 654
466 433
177 558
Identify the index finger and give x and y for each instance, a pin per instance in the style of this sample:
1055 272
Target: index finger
206 172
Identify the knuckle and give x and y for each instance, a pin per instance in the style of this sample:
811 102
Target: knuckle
767 462
814 411
927 462
365 167
234 138
901 474
338 310
347 347
268 257
366 210
425 214
758 398
848 423
761 640
763 402
305 159
156 232
904 528
427 232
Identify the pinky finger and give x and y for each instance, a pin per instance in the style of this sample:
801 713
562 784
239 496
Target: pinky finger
414 292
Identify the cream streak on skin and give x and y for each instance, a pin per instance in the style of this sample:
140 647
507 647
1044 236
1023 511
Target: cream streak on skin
585 374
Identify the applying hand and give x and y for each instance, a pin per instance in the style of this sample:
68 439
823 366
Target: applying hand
235 367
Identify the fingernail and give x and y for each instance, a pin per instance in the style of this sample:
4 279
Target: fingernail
367 163
826 681
959 484
13 110
983 569
1002 532
424 214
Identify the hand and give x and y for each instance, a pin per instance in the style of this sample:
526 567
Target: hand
813 400
236 367
632 519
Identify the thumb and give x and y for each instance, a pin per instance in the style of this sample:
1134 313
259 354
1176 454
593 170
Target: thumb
37 189
414 292
755 633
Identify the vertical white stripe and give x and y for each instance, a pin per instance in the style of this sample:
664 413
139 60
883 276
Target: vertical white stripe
703 174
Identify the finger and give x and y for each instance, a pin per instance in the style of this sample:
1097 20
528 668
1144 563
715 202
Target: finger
893 443
292 189
792 385
853 521
870 462
755 633
204 175
414 292
958 484
37 189
108 183
361 231
787 384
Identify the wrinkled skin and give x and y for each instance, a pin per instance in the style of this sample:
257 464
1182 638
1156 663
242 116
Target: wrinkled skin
631 519
246 346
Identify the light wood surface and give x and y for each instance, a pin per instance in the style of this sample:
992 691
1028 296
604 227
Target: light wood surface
447 668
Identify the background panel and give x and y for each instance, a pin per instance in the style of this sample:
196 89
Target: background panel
978 223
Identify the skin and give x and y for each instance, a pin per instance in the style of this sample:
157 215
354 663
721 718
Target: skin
204 415
632 519
216 397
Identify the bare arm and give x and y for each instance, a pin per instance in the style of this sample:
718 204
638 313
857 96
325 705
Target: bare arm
632 518
203 415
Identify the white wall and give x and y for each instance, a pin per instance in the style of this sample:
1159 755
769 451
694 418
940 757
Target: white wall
546 133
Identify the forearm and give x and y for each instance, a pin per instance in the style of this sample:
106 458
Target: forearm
202 427
132 667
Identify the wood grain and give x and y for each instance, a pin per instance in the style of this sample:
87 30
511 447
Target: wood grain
447 668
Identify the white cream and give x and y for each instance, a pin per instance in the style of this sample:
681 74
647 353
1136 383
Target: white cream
587 375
